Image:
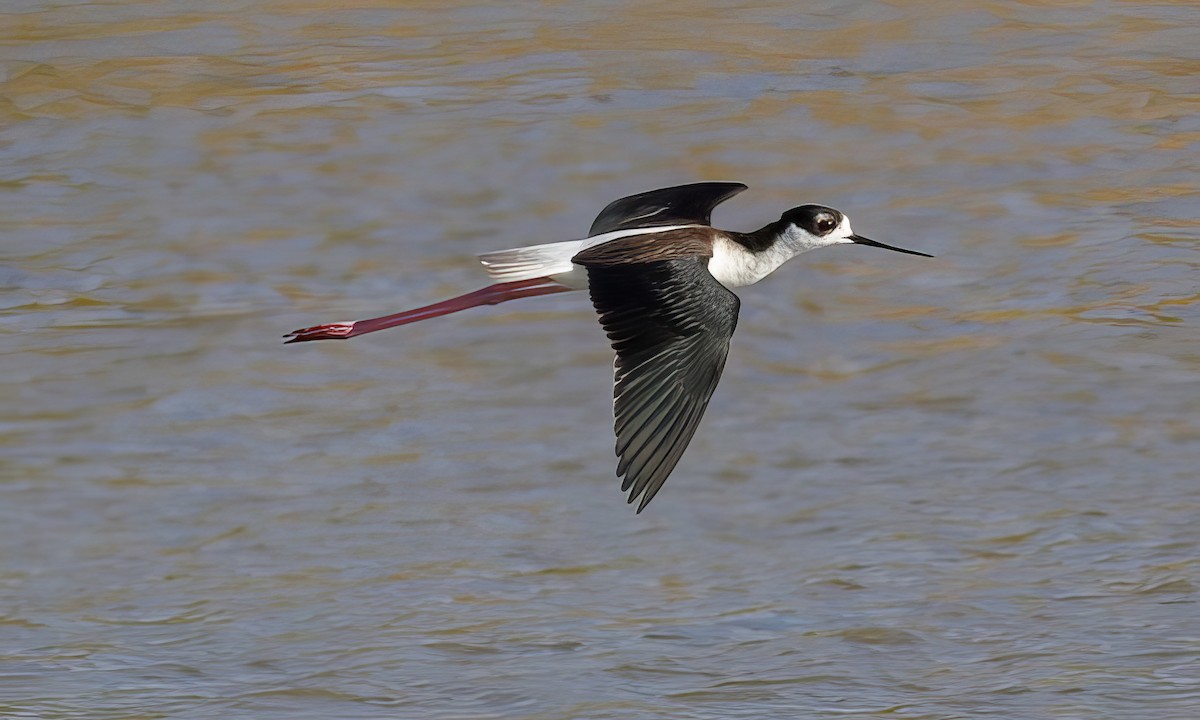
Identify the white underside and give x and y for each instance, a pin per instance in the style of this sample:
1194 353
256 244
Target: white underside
553 260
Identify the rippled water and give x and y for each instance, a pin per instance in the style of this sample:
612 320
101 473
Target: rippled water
947 488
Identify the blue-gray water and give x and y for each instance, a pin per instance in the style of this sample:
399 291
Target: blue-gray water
952 488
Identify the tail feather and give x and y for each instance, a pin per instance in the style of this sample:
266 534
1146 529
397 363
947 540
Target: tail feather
534 261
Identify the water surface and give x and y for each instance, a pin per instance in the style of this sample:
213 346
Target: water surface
961 487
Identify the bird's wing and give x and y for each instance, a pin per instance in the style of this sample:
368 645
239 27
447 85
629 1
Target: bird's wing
681 205
670 323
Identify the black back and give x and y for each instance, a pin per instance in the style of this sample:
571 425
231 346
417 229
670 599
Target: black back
681 205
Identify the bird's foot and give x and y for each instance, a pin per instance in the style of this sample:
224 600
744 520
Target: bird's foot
330 331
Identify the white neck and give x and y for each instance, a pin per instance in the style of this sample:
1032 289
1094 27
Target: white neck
734 266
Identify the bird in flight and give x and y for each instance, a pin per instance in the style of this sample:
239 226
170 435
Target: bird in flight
659 275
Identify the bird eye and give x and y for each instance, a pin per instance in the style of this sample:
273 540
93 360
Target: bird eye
825 224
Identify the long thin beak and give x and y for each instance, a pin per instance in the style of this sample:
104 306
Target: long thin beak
859 239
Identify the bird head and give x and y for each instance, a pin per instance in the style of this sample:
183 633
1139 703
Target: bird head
812 226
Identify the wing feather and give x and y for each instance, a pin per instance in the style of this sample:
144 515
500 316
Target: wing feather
670 323
680 205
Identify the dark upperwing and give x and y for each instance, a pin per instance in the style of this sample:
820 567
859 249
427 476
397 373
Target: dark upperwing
680 205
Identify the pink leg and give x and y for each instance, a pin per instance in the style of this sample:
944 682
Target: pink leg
491 295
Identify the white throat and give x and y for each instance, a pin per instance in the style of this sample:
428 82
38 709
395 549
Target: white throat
734 266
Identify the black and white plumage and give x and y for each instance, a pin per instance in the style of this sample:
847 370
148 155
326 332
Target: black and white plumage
659 275
670 323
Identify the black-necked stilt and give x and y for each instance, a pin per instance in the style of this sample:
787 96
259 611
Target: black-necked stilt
659 276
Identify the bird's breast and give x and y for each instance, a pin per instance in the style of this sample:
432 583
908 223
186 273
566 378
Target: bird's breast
734 266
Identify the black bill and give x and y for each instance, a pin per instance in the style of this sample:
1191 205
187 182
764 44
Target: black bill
859 239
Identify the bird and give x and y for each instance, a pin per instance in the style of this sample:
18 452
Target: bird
660 276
